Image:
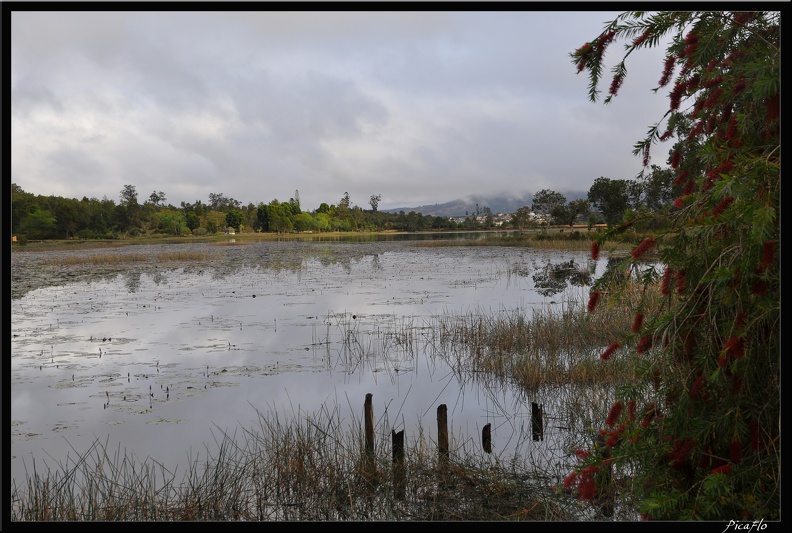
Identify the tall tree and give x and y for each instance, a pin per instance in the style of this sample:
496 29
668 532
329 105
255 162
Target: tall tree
697 436
610 197
543 203
374 201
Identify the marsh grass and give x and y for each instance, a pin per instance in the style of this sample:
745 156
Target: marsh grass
311 468
102 259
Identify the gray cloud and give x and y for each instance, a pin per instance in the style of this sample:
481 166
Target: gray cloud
420 107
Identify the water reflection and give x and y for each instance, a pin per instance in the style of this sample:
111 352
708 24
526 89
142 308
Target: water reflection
155 355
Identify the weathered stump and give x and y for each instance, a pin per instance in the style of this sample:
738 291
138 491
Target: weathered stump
486 438
537 424
442 434
397 440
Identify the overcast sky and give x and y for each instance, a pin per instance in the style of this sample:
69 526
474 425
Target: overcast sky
418 107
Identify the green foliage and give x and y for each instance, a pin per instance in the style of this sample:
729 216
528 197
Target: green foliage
235 219
700 438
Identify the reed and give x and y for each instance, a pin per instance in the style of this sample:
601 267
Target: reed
104 259
310 468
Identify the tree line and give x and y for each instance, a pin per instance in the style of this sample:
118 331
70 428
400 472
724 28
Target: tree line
53 217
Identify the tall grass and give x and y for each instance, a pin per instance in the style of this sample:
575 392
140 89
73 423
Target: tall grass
306 469
121 258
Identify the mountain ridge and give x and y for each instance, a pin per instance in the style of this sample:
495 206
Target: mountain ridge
468 205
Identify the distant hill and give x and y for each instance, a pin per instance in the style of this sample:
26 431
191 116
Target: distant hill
467 205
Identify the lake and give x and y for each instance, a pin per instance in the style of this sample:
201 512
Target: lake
158 357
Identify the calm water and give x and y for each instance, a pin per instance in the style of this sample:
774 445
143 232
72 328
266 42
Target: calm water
158 359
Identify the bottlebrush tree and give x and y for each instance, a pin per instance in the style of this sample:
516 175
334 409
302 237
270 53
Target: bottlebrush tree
698 436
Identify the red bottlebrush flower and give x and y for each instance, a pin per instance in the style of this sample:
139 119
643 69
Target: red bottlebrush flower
712 82
735 451
754 425
631 411
739 87
637 322
595 250
646 245
616 85
741 17
679 203
582 454
609 351
666 286
722 206
698 386
773 107
676 158
680 281
644 344
647 147
668 70
739 321
614 413
768 253
725 469
736 384
638 41
649 416
569 481
732 129
689 187
666 135
593 300
681 452
759 288
682 178
587 489
734 347
604 40
676 95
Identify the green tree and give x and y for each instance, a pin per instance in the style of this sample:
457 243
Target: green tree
544 201
374 201
39 224
697 435
521 218
235 218
192 221
610 197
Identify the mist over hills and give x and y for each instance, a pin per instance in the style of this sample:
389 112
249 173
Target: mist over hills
460 207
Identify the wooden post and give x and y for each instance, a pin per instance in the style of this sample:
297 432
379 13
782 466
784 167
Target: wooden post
537 424
369 421
442 433
398 463
486 438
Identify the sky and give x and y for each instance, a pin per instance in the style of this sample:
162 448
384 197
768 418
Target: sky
416 107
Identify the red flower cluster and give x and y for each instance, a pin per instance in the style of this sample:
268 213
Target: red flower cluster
668 70
614 414
722 206
697 391
616 85
609 351
676 158
768 254
595 250
637 322
646 245
725 469
586 485
681 452
649 416
644 344
593 300
638 41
